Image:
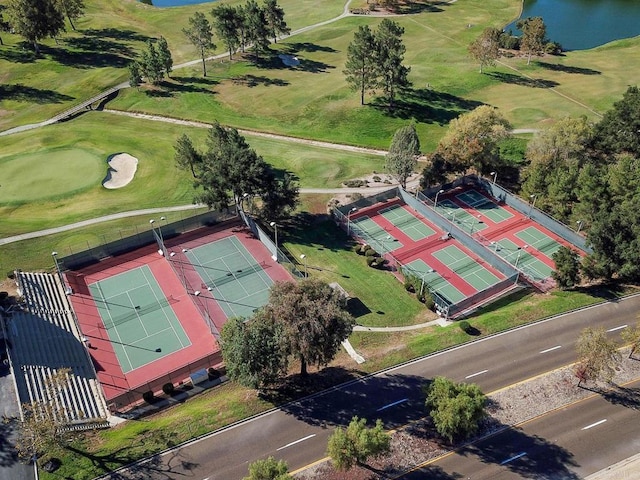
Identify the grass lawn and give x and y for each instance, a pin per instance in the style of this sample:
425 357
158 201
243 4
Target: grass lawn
69 161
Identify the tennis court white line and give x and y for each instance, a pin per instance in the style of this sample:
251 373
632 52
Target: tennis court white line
162 308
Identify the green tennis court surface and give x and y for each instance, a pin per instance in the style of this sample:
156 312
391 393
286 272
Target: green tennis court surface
234 277
466 267
375 235
458 215
522 260
487 207
409 224
138 318
434 282
539 240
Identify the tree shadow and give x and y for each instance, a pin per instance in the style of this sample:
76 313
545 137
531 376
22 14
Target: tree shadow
21 54
426 106
568 68
522 81
626 397
254 80
394 398
100 46
421 6
117 34
84 58
8 452
528 456
23 93
357 308
274 62
297 47
431 472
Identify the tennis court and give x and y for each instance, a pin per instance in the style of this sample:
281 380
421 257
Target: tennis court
235 279
522 260
538 240
458 215
466 267
487 207
375 235
408 223
141 325
435 282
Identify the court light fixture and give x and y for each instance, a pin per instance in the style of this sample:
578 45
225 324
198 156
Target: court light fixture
196 293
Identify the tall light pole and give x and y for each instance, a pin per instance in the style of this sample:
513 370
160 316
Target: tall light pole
304 258
520 249
579 223
473 225
533 197
161 249
495 175
384 240
435 202
431 270
275 229
353 209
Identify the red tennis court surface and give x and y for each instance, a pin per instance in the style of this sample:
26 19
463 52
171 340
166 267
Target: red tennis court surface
124 389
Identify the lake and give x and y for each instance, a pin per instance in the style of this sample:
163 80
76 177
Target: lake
583 24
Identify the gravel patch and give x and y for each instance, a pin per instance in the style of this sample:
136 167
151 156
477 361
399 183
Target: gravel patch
418 442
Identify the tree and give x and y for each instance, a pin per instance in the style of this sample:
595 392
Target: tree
361 68
486 48
35 19
135 78
164 55
631 335
274 17
255 351
403 152
200 35
389 56
597 355
150 64
186 155
315 319
456 408
226 21
357 443
618 131
40 430
567 272
4 25
472 140
534 32
256 27
73 9
230 170
435 172
269 469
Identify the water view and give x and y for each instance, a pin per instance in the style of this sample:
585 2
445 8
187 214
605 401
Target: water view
583 24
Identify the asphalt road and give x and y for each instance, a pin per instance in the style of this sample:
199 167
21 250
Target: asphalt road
567 444
298 432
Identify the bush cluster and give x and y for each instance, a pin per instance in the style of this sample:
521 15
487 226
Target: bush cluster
356 183
168 388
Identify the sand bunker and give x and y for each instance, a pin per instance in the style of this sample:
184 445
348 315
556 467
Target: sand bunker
289 60
122 168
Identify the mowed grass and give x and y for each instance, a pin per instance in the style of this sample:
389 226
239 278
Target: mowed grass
95 57
157 183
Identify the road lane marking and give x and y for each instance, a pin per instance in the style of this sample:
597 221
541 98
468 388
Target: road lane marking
297 441
594 424
392 404
617 328
515 457
476 374
551 349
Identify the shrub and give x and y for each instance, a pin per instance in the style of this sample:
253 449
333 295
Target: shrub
358 249
213 373
3 296
429 302
168 388
371 252
11 274
355 183
381 262
464 326
148 396
376 178
371 260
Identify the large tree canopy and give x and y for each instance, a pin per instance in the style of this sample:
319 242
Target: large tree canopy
619 129
534 33
403 153
486 48
34 20
472 140
73 9
393 75
361 69
274 18
230 170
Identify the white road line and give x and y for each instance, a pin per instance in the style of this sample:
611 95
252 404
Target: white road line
476 374
297 441
617 328
551 349
594 424
392 404
515 457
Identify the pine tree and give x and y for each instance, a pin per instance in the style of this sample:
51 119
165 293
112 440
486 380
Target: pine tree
361 68
200 35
